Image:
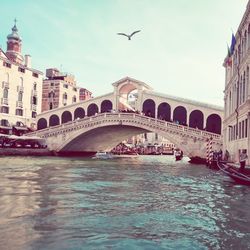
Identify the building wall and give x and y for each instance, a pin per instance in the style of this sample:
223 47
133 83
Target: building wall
237 91
58 90
15 81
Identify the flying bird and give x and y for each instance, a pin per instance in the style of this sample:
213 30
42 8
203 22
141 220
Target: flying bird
128 36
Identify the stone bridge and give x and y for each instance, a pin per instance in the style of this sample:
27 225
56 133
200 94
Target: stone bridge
105 130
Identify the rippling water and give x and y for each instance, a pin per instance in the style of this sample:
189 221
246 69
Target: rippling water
136 203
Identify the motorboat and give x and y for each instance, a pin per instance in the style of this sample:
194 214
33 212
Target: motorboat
178 155
103 155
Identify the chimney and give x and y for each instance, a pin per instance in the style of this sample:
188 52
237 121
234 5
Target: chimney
28 61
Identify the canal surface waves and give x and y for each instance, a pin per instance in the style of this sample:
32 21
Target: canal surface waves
148 202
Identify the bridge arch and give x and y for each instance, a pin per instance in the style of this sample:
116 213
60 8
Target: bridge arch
92 109
213 124
42 124
148 107
196 119
106 106
180 115
54 120
164 111
79 113
66 116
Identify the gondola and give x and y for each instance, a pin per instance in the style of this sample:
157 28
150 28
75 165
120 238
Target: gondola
238 177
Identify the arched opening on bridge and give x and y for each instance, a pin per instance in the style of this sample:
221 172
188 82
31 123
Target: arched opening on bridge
42 123
180 115
128 95
66 117
79 113
148 108
106 106
196 119
54 120
164 111
214 124
92 109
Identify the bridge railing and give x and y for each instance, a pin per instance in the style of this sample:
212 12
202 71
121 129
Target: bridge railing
129 117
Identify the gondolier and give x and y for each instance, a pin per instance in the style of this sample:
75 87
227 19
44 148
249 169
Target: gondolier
243 158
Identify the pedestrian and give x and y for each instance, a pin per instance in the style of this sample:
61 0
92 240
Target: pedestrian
243 157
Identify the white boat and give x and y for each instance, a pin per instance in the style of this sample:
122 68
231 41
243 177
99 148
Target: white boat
103 155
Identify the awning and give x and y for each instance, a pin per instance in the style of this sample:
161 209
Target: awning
21 128
6 127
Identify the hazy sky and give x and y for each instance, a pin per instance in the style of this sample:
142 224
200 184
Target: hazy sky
179 51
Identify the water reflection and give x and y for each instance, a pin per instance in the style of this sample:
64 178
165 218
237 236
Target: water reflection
138 203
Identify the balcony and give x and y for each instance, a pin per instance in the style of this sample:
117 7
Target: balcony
19 104
5 85
19 88
4 101
33 107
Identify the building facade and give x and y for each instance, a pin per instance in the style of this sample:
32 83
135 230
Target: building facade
20 88
237 91
60 89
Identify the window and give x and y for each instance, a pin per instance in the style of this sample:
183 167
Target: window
51 94
21 69
19 112
35 74
20 96
51 84
5 110
65 97
34 100
74 89
246 129
74 99
33 114
65 86
5 123
5 64
5 93
51 105
34 86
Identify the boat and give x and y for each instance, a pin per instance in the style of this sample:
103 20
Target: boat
178 155
238 177
103 155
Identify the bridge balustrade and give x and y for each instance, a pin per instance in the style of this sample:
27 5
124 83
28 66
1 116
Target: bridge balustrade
125 117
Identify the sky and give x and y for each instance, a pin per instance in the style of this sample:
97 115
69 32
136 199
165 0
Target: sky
179 51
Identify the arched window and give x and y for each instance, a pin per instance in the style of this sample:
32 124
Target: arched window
164 111
213 124
34 100
106 106
21 82
180 115
54 121
66 117
196 119
148 108
65 97
248 36
20 96
92 109
34 86
79 113
73 99
5 93
41 124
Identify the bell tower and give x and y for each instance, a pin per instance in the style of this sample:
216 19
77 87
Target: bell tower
14 45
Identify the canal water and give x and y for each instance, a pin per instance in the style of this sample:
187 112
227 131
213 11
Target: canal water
149 202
